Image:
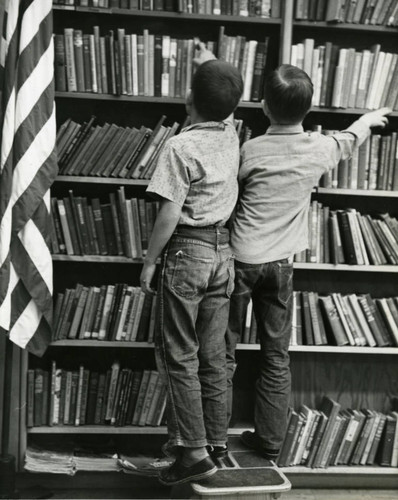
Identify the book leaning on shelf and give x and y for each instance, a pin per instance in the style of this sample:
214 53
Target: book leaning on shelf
337 320
349 237
147 64
330 435
117 312
377 12
113 151
264 9
346 78
118 396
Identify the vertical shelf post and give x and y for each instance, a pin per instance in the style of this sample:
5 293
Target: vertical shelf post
286 32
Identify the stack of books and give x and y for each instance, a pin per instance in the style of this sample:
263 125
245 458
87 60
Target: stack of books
88 227
349 237
264 9
372 166
330 435
147 64
55 461
118 397
347 78
110 312
375 12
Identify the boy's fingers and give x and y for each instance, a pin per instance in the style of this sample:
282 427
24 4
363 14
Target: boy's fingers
385 111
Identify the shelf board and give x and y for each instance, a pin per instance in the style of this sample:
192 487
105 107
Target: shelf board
339 469
367 28
332 349
357 192
100 343
240 347
345 267
101 180
99 259
96 429
172 15
180 101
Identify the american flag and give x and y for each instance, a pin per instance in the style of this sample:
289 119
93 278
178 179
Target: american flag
28 167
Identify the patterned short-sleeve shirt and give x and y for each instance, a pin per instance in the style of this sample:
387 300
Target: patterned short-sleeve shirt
198 170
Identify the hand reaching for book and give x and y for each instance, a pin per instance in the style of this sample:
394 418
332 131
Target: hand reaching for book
203 54
376 118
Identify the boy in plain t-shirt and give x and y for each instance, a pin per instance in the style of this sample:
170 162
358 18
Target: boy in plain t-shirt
277 174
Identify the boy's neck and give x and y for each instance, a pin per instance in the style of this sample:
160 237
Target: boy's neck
275 123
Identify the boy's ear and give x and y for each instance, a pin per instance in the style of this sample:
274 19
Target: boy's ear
265 107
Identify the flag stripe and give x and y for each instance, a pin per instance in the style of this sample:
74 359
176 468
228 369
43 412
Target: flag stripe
28 167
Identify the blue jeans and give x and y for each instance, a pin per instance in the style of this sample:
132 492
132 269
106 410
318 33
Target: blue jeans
270 286
196 282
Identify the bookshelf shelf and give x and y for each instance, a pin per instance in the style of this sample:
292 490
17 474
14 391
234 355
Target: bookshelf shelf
338 470
172 15
135 99
180 101
116 259
101 180
241 347
364 28
328 349
101 343
357 192
96 429
345 267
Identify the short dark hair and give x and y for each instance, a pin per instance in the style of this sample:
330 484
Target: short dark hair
288 93
217 87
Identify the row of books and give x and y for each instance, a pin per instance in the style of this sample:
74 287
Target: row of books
264 9
336 319
372 12
119 397
331 435
147 64
110 150
109 312
347 78
373 165
349 237
88 227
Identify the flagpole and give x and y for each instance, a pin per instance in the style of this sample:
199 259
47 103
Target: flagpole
7 461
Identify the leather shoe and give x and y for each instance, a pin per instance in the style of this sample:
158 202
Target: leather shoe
178 473
253 441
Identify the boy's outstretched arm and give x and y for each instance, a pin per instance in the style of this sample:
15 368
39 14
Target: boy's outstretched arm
166 221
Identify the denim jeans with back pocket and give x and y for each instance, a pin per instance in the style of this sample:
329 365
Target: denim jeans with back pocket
196 282
270 285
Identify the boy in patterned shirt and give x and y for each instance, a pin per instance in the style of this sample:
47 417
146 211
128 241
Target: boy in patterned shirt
196 181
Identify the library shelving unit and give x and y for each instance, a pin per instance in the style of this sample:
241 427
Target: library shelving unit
356 377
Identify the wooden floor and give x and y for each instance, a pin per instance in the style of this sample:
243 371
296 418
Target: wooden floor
124 494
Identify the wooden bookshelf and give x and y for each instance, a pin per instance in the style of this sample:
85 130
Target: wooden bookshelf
315 369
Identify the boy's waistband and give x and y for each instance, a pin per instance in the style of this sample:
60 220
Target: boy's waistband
214 234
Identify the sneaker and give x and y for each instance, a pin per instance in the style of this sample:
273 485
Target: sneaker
217 452
253 441
178 473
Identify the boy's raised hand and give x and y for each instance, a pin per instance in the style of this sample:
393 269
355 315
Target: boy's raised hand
377 118
204 54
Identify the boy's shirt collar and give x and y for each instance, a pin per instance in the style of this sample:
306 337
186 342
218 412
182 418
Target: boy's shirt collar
206 125
285 129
